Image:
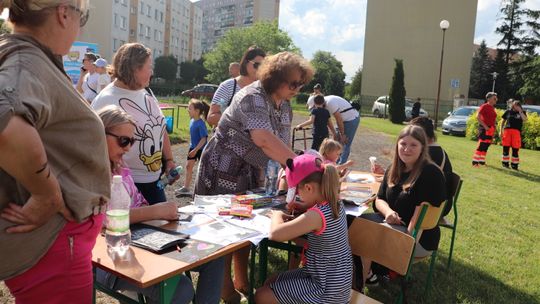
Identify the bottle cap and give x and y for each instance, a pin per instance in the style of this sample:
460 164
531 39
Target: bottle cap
117 179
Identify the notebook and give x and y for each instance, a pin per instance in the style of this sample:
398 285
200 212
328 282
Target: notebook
155 239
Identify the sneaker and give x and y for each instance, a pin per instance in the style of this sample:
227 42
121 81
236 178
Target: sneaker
372 280
182 192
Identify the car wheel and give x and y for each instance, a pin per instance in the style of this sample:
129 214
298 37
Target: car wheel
377 113
445 132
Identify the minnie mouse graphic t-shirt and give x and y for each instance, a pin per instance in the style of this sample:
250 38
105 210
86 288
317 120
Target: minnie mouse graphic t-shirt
144 157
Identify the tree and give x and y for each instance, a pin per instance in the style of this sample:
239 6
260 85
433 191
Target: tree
166 67
511 28
4 29
481 69
328 72
396 104
231 47
356 84
193 72
502 83
531 84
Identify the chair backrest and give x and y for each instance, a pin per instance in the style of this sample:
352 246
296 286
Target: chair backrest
455 185
425 217
382 244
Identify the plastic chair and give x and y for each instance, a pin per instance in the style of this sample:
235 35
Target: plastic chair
455 188
380 244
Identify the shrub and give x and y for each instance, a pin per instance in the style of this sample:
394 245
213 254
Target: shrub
530 133
302 98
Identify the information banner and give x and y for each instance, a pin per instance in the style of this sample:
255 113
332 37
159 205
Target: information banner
73 60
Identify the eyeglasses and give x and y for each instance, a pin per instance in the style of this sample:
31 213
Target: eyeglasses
123 141
255 64
296 85
84 15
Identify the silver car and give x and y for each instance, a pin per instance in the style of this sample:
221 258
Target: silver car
456 122
380 108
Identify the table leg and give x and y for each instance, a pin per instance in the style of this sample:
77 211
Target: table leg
167 289
177 115
251 298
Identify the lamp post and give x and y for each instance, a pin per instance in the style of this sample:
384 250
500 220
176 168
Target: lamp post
494 74
444 26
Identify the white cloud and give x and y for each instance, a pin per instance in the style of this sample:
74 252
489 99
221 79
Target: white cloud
487 4
351 61
312 24
343 34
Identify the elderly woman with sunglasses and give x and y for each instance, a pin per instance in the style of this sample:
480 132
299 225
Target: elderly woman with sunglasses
152 152
251 60
54 173
254 129
120 129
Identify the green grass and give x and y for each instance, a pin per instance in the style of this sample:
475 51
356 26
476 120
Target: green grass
496 254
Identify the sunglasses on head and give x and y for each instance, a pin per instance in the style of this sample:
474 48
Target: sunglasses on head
84 15
123 141
296 85
255 64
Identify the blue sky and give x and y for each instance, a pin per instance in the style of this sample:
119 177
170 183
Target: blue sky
338 26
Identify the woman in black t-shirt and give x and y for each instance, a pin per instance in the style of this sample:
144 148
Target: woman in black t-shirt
512 122
411 179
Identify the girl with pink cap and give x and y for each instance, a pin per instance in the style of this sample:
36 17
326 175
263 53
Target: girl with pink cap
327 273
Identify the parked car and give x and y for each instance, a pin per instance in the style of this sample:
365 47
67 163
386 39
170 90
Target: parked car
204 91
531 109
381 104
456 122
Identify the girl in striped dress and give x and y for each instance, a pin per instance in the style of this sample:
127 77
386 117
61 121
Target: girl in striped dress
327 273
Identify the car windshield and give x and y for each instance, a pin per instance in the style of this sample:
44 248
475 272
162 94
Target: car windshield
463 111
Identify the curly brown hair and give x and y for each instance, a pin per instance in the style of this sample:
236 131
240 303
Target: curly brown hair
277 69
129 58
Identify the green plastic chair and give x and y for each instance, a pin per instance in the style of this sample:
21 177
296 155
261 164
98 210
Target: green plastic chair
455 188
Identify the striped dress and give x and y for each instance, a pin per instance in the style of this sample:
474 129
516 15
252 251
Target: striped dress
327 275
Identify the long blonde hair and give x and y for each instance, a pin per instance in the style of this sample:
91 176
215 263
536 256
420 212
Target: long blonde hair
398 166
328 181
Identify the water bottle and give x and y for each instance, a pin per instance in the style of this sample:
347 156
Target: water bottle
166 179
271 177
117 234
222 105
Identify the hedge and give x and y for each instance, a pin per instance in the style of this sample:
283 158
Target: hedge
530 133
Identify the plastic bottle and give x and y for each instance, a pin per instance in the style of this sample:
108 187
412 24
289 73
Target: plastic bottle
222 105
117 234
271 177
166 179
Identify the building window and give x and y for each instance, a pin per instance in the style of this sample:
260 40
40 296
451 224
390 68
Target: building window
141 29
124 23
133 10
131 33
142 8
124 2
115 20
148 11
156 14
161 17
147 33
115 45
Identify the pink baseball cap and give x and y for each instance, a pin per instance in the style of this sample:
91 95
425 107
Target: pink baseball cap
302 166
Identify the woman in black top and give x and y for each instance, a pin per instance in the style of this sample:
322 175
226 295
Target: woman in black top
437 154
411 179
512 122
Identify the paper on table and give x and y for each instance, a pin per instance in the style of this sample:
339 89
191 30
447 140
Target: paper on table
355 210
219 232
194 209
360 178
259 223
219 200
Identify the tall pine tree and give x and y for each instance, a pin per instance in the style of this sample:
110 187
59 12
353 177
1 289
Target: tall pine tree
481 69
396 104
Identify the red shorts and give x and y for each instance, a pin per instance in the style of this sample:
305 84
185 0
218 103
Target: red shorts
64 273
511 138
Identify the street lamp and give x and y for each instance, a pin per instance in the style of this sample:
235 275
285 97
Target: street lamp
444 26
494 74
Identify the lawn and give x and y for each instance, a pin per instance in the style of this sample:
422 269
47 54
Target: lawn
496 255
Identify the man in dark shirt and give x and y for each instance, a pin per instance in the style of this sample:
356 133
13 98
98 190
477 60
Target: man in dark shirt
511 133
486 128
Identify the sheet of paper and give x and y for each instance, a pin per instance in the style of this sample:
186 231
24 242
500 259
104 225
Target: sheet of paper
219 232
355 210
360 178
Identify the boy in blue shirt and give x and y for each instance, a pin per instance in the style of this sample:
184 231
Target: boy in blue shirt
320 118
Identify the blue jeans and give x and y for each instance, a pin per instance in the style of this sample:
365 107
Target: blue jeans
350 130
151 192
208 285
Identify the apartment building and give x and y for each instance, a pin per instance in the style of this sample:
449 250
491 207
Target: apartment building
164 26
222 15
409 30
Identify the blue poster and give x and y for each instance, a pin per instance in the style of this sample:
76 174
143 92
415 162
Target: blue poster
73 60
